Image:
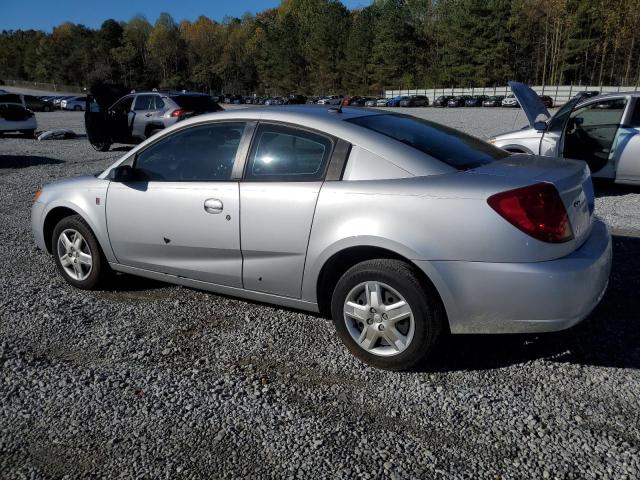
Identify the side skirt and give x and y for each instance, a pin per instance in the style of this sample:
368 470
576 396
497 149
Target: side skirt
221 289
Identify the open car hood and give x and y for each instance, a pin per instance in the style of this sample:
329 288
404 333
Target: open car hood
532 105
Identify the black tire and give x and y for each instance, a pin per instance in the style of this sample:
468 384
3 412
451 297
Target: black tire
29 133
46 108
152 131
424 302
101 147
77 108
100 270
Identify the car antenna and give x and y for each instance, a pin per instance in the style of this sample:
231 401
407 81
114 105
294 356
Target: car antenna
337 108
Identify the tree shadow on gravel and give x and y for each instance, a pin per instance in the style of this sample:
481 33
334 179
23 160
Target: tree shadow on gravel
24 161
609 337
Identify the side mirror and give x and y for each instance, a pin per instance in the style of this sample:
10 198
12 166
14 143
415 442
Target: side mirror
578 120
122 173
540 126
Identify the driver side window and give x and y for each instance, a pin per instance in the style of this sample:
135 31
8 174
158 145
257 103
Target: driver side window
202 153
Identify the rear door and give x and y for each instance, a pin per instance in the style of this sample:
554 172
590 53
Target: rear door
143 109
282 179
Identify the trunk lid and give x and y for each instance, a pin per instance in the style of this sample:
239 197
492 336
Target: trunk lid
530 102
571 178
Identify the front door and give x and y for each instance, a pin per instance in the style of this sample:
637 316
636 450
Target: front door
120 120
282 180
181 216
591 134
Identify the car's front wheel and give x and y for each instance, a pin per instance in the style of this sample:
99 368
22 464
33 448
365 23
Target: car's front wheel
101 147
385 315
77 253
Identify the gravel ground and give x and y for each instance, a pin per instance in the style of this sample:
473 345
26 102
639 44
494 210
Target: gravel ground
154 381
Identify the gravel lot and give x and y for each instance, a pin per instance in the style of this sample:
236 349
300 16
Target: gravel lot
155 381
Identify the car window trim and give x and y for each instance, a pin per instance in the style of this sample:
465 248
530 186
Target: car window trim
247 132
296 179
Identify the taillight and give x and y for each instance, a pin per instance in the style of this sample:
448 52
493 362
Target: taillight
537 210
179 112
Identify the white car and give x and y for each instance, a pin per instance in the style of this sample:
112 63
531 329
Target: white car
15 117
330 100
74 103
510 101
602 131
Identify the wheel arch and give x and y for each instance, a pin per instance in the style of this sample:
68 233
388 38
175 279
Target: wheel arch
151 127
51 219
339 262
60 210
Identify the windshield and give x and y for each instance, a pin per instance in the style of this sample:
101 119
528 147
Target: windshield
455 148
197 102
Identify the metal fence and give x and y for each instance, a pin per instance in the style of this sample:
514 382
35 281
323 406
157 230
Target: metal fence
559 93
45 87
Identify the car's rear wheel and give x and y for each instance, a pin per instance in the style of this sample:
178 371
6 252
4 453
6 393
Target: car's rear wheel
29 133
77 253
385 315
77 108
46 108
101 147
152 131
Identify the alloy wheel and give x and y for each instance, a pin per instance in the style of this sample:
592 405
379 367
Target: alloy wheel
379 319
74 254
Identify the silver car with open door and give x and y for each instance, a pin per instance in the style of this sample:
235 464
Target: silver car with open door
601 131
398 228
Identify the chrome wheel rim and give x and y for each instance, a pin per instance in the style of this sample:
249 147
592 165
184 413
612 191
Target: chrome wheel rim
379 319
74 254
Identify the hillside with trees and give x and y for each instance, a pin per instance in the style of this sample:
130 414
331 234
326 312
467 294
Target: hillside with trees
319 46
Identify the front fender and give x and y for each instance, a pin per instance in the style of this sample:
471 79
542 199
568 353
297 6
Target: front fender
92 212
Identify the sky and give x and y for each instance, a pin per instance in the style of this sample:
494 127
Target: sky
46 14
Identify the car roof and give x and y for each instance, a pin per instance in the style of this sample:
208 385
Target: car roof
329 121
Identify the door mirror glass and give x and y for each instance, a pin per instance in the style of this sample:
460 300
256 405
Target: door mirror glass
540 126
122 173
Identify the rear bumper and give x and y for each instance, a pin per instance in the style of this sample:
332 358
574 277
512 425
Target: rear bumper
16 126
524 297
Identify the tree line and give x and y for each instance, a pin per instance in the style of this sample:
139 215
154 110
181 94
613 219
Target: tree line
321 47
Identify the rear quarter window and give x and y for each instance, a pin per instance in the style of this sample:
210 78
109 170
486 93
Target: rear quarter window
450 146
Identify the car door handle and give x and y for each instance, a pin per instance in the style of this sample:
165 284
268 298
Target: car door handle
213 205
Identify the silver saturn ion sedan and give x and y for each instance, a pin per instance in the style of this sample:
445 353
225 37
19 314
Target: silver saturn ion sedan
398 228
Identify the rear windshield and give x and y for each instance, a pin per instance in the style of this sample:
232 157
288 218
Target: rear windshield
10 98
196 102
448 145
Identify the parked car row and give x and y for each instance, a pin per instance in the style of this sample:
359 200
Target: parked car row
255 100
484 101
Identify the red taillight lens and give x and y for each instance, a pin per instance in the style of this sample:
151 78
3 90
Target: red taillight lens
179 112
536 210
